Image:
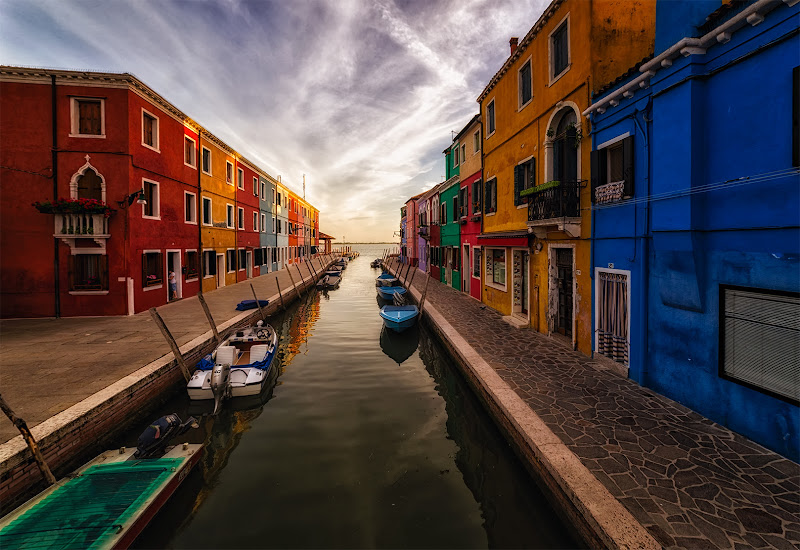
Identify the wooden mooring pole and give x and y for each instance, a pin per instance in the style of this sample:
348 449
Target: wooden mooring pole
258 305
300 274
277 282
209 317
171 341
289 271
22 426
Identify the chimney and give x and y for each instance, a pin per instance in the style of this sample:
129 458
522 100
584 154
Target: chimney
513 43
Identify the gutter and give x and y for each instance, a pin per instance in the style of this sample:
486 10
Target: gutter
685 47
54 160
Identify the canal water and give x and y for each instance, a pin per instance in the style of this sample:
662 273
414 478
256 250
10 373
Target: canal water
364 439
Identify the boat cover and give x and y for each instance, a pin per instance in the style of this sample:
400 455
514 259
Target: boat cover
251 304
207 363
86 511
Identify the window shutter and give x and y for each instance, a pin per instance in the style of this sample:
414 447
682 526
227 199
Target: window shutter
144 269
487 200
627 164
103 267
532 173
517 183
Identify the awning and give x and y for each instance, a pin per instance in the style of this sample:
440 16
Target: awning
504 238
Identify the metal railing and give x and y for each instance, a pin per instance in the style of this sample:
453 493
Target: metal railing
559 201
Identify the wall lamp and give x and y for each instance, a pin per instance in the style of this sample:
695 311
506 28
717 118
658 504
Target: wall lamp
137 196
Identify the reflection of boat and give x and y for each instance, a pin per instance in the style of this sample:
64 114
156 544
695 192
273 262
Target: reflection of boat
388 292
385 279
328 282
251 304
399 346
237 367
375 263
399 318
107 502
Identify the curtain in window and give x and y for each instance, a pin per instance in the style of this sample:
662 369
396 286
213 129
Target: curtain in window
612 323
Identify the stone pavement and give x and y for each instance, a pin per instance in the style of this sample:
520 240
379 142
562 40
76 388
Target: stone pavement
49 365
689 481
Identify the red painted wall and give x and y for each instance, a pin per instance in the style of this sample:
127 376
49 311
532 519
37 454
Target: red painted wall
247 238
469 235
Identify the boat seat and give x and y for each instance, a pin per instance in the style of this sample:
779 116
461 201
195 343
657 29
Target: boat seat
258 353
226 355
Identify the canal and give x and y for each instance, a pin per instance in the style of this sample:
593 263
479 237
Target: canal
364 439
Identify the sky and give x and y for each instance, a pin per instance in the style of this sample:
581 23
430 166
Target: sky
361 97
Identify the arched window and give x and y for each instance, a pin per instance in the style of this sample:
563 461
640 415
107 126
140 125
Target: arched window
90 186
565 148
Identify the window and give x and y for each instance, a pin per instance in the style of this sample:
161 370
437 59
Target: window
149 130
207 161
612 314
191 265
491 196
151 269
231 259
88 272
263 223
229 216
455 208
525 84
209 263
273 224
463 200
242 259
559 50
612 170
240 217
255 186
87 117
257 256
273 196
443 213
455 155
255 221
476 141
229 172
90 186
490 124
263 190
189 207
280 228
189 152
476 196
151 208
207 211
240 178
496 267
759 344
463 152
476 262
524 178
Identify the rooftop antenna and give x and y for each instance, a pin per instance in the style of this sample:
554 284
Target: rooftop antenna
452 135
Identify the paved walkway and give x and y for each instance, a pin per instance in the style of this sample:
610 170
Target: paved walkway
689 481
49 365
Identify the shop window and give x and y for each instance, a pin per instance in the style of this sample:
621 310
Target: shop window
152 269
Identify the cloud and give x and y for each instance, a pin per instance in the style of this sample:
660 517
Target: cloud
360 96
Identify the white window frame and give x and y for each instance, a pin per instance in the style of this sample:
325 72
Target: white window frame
263 222
255 186
186 265
476 142
263 196
194 152
193 211
229 173
210 163
239 178
488 279
457 157
230 268
555 77
520 104
240 218
230 216
476 250
494 118
255 221
75 117
157 206
213 255
156 131
274 225
163 275
210 222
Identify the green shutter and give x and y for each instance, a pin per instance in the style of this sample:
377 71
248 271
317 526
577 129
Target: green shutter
517 183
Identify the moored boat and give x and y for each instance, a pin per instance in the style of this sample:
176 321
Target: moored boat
237 367
385 279
329 282
399 318
388 292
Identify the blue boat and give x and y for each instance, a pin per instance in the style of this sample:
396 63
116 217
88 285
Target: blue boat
385 279
399 318
251 304
388 292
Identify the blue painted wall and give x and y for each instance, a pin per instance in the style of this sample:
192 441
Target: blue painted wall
722 119
676 19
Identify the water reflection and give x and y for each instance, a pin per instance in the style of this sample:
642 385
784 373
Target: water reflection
399 345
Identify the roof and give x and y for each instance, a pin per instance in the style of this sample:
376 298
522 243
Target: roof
623 77
325 237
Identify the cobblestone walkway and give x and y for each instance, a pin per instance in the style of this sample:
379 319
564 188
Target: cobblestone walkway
689 481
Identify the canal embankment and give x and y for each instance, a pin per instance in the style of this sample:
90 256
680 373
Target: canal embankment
627 467
80 381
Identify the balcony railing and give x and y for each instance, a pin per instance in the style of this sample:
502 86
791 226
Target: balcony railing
73 226
562 200
423 231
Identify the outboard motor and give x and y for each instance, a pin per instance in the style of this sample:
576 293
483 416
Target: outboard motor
220 384
154 439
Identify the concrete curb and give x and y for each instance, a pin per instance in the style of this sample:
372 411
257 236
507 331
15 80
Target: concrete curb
601 519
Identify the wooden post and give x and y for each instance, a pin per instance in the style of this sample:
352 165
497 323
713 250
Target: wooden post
210 318
171 341
22 426
277 282
300 274
261 311
312 271
411 282
289 271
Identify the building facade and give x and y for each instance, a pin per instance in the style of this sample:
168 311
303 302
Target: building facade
469 205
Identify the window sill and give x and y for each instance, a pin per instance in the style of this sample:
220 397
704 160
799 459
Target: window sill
559 75
523 205
90 136
88 292
190 222
490 135
146 146
154 287
192 280
207 173
207 277
151 217
192 166
501 288
490 214
209 224
521 107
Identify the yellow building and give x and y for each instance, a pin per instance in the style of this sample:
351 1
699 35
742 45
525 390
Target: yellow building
217 212
537 207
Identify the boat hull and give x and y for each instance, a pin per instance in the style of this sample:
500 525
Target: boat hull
399 318
388 292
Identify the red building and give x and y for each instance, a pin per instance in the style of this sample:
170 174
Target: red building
295 221
248 222
112 141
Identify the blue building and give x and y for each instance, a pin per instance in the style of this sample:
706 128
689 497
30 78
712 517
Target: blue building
268 238
696 216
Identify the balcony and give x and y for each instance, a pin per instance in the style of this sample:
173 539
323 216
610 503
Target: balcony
423 232
71 227
555 206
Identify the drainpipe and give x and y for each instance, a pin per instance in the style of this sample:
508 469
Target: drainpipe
54 160
200 254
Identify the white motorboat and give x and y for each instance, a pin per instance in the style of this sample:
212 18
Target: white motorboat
238 367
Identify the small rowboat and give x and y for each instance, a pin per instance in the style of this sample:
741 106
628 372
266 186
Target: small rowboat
399 318
385 279
329 282
388 292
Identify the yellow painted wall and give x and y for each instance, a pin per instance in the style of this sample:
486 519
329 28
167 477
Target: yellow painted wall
214 186
471 163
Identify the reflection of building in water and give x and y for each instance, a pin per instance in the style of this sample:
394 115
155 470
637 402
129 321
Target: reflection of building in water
295 329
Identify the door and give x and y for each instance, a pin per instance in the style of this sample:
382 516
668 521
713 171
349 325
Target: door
564 286
249 262
465 270
174 276
448 272
525 283
220 270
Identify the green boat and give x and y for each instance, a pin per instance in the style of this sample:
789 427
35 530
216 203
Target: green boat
104 504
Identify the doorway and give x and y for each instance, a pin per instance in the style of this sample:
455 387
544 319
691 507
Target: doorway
220 270
465 270
174 273
521 281
564 285
249 262
448 271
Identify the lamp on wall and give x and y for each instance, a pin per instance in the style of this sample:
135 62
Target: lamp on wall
137 196
538 246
